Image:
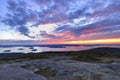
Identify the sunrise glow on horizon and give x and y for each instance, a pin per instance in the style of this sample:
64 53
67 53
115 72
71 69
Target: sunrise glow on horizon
99 41
86 42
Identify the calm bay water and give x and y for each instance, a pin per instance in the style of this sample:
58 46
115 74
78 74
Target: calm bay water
36 49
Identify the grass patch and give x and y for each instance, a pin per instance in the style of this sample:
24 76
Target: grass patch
95 57
86 58
47 72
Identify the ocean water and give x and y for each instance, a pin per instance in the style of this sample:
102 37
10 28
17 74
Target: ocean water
47 48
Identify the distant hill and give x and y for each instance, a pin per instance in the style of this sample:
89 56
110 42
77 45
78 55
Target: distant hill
106 50
103 54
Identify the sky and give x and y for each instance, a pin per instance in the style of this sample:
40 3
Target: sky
59 22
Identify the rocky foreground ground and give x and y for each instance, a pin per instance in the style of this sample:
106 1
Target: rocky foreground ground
59 68
62 67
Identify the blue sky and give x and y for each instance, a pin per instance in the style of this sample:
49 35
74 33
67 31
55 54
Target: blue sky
60 21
